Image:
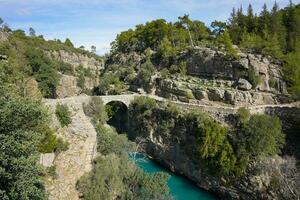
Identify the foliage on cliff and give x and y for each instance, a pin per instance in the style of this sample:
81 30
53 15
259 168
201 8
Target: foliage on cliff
204 139
114 175
28 56
198 134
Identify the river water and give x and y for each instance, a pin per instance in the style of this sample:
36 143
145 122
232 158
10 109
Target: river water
180 187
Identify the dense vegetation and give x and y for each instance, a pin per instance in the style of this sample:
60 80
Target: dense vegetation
28 56
205 140
114 175
24 128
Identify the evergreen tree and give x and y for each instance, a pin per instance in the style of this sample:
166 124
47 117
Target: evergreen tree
69 43
93 49
250 19
264 20
32 32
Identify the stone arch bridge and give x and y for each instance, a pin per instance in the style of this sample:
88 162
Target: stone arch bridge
219 112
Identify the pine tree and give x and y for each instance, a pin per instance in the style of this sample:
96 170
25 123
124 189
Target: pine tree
264 21
250 19
69 43
32 32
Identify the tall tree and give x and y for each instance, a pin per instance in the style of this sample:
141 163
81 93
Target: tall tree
264 21
250 19
186 22
93 49
69 43
32 32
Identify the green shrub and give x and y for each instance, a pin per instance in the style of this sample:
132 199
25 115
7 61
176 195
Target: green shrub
51 143
262 135
253 77
20 134
243 114
96 110
190 95
51 171
63 114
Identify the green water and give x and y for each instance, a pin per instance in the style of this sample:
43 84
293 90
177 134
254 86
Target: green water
180 187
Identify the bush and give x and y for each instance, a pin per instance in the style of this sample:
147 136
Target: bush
143 78
253 78
190 95
50 143
96 110
109 84
243 114
81 81
63 115
262 136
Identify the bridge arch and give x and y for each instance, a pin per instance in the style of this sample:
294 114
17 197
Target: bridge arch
117 112
125 99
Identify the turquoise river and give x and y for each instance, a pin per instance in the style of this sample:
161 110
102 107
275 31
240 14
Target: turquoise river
180 187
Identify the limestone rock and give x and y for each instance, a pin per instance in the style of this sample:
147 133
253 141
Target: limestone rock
67 87
47 159
3 36
200 94
77 59
243 84
216 94
32 89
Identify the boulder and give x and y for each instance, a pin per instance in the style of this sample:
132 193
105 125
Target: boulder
236 97
3 36
200 94
259 66
243 84
216 94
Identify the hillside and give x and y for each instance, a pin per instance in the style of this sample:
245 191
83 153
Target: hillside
218 105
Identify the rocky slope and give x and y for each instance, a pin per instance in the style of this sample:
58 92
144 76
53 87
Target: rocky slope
70 165
213 77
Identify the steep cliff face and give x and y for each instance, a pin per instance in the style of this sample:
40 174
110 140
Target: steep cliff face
77 60
207 62
72 85
264 178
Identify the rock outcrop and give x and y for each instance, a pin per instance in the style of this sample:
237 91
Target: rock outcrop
68 85
206 92
3 36
77 59
208 62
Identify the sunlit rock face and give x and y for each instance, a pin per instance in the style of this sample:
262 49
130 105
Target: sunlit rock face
208 62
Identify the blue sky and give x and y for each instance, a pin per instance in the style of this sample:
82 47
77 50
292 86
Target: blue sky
97 22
